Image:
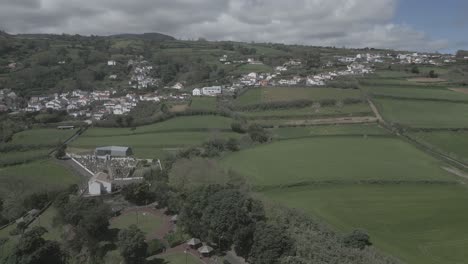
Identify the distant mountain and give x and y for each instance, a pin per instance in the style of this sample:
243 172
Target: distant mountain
4 34
145 36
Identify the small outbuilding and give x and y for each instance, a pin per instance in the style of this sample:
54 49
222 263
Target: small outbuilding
113 151
205 250
194 242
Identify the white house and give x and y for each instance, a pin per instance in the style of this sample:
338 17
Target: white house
196 92
177 86
211 91
100 183
111 63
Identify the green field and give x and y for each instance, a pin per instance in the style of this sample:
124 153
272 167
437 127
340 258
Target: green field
146 222
413 209
277 94
420 93
454 144
345 110
421 224
248 68
42 136
312 131
424 114
36 176
203 103
330 159
149 145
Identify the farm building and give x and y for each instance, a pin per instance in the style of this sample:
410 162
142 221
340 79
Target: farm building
211 91
113 151
100 183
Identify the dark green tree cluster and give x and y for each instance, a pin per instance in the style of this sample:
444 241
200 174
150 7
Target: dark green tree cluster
227 217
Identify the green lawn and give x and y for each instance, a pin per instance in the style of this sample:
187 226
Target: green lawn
346 159
421 224
36 176
183 123
299 132
424 114
146 222
453 143
203 103
276 94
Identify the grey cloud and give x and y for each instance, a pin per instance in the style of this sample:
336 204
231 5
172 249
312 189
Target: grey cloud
354 23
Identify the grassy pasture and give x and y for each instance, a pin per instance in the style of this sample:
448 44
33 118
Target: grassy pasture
277 94
453 143
421 224
424 114
46 220
300 132
150 145
248 68
330 159
203 103
421 93
36 176
43 136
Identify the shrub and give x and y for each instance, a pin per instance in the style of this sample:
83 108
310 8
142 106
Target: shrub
155 246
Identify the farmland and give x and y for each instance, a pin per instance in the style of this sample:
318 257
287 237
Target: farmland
146 222
311 111
391 189
420 93
41 175
454 144
154 140
329 159
331 130
424 113
421 224
275 94
203 103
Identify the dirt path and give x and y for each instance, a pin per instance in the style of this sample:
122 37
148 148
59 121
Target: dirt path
332 121
376 111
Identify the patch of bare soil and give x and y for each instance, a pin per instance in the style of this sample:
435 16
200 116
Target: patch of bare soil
427 80
460 90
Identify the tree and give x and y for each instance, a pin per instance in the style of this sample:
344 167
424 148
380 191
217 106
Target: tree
138 193
433 74
232 145
357 239
132 245
258 133
61 152
237 127
270 243
415 70
129 120
33 249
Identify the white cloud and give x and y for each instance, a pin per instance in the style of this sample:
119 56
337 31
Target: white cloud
351 23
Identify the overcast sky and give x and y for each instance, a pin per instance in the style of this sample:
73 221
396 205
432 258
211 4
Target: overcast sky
350 23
